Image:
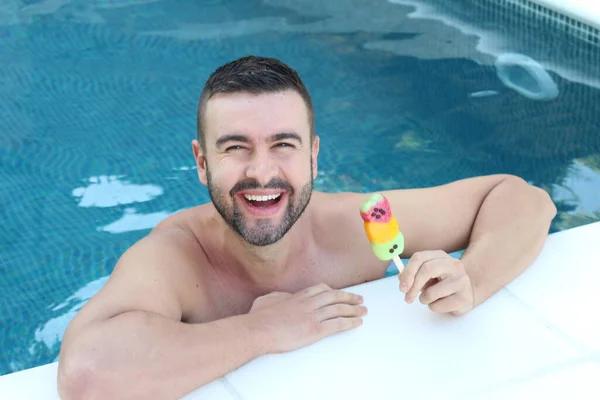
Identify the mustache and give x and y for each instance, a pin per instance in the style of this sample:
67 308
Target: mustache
275 183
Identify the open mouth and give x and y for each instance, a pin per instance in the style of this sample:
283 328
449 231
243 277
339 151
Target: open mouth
262 201
263 204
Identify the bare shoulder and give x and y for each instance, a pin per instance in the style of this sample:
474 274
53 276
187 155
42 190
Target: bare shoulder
339 232
160 274
337 219
339 208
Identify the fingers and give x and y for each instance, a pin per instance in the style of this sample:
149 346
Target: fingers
331 326
340 310
436 268
323 295
277 295
454 304
413 266
336 297
443 288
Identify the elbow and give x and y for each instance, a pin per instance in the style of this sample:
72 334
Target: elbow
72 381
540 200
547 206
543 204
79 378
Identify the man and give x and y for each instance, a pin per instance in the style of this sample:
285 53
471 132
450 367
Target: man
259 270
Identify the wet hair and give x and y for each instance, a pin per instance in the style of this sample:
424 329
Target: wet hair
255 75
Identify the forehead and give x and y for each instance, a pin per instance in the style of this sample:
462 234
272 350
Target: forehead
255 115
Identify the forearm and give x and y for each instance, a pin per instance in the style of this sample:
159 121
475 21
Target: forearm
144 355
507 236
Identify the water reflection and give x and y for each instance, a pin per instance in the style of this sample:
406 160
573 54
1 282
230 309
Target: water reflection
133 221
52 332
20 12
579 193
110 191
504 32
526 76
483 93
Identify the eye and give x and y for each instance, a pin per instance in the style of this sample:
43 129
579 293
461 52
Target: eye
234 148
284 145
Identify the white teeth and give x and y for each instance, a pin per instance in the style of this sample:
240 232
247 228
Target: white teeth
261 198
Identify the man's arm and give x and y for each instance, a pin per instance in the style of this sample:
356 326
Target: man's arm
128 341
501 221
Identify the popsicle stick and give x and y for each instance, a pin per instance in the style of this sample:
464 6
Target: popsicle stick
399 263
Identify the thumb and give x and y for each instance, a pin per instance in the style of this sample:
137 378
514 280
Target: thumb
277 294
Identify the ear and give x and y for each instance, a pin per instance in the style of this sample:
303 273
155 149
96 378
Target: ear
200 158
314 156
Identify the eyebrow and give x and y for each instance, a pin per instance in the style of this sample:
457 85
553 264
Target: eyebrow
231 138
286 136
244 139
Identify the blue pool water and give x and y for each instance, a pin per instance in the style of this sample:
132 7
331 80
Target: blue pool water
97 112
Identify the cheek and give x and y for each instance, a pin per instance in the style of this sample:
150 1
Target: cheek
226 173
220 178
299 171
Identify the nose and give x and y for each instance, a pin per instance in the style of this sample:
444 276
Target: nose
261 168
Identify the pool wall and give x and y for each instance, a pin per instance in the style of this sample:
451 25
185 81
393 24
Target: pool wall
580 16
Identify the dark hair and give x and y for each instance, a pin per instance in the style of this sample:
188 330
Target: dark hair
254 75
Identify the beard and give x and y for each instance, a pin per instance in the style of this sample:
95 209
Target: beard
265 232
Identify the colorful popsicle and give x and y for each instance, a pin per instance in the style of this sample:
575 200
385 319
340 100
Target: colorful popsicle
382 229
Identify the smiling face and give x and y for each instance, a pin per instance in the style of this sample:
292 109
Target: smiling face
259 162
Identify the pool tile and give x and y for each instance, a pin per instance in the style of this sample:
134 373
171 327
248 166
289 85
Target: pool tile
407 351
34 383
40 383
562 284
577 381
217 390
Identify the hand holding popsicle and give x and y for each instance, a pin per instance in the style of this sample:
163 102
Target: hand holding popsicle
441 280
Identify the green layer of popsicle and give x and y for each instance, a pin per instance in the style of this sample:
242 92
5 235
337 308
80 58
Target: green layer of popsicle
382 250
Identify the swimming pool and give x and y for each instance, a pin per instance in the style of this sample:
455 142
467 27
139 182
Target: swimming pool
97 111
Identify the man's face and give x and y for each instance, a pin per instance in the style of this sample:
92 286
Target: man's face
259 163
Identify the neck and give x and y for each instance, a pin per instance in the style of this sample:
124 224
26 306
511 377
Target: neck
264 266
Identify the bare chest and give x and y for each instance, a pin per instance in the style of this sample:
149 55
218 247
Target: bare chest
228 295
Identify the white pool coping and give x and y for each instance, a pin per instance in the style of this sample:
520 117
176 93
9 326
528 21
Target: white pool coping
538 335
587 11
